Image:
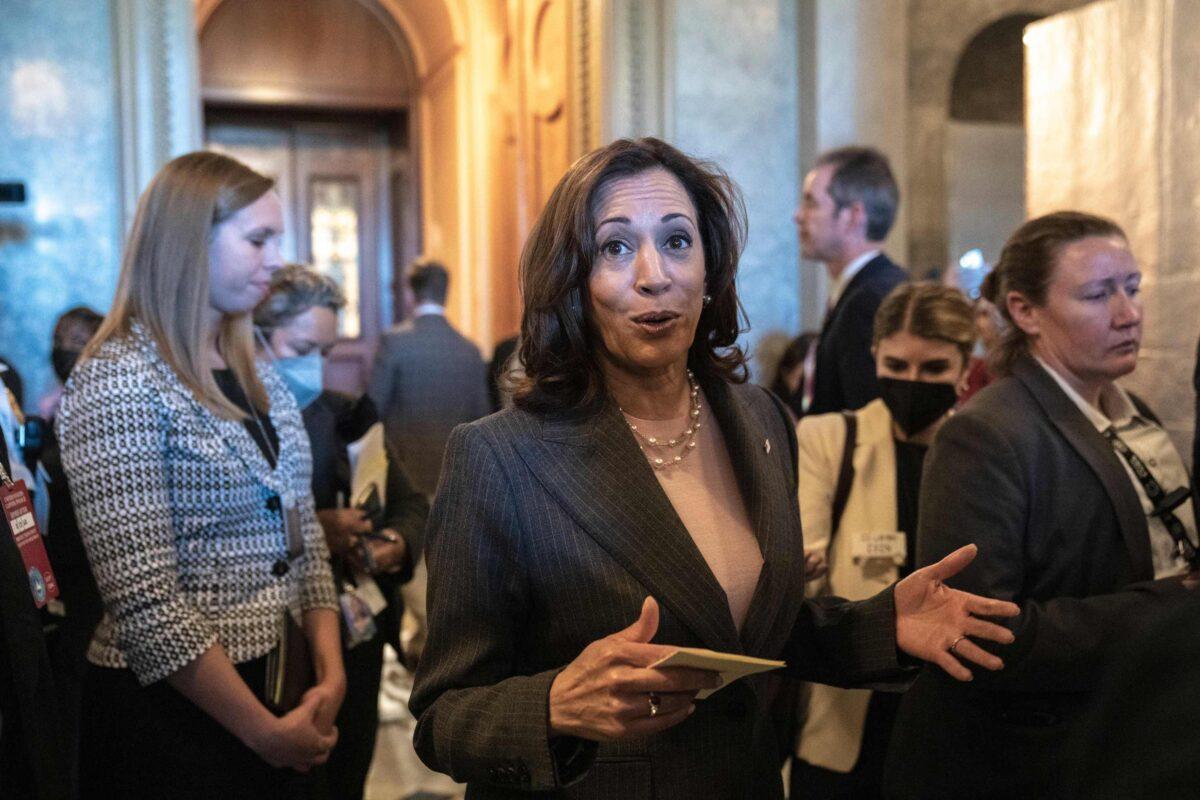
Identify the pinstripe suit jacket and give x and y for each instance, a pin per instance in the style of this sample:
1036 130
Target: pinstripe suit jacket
547 533
175 510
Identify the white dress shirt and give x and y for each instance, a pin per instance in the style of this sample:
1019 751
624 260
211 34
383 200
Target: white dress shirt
838 285
436 309
1154 447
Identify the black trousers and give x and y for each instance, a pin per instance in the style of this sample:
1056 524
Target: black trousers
152 742
865 781
345 774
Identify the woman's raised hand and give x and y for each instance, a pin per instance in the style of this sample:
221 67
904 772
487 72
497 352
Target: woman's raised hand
610 692
936 623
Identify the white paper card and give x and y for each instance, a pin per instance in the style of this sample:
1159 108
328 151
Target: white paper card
730 666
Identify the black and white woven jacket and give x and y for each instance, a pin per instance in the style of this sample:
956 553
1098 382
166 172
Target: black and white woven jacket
175 509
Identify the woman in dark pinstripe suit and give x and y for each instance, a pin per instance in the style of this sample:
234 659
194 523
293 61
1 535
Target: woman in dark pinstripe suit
639 478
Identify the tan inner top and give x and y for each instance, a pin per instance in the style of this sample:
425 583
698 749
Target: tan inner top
705 495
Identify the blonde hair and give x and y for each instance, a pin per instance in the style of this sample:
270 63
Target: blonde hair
929 310
295 288
164 281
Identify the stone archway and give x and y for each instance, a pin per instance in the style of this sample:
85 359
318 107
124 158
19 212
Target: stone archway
984 159
939 34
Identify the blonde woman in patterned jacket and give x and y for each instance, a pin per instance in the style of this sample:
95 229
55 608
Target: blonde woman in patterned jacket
190 470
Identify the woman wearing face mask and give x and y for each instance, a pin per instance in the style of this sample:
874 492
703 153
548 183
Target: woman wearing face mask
298 326
189 470
922 341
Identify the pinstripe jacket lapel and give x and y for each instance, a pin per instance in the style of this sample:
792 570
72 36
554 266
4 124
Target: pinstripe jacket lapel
762 474
593 467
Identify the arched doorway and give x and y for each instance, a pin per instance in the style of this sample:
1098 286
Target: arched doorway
985 148
322 103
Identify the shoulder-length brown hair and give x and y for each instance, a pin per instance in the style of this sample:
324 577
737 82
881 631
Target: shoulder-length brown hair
1027 265
558 343
165 274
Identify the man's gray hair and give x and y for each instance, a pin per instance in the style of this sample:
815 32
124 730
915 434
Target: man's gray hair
863 175
295 288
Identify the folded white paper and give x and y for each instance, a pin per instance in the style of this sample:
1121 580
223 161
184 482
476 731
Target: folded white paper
729 666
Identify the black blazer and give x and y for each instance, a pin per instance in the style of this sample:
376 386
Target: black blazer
1021 472
547 534
333 421
33 761
844 375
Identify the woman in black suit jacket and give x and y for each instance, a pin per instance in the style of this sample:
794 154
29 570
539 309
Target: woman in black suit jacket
636 463
1064 527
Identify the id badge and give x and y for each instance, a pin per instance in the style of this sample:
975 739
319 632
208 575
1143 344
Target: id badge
358 619
291 529
369 592
888 545
18 510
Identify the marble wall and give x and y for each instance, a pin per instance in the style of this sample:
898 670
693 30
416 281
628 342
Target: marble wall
1112 96
58 125
938 33
735 100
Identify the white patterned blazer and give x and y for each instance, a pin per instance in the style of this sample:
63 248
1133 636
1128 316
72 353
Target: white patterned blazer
180 514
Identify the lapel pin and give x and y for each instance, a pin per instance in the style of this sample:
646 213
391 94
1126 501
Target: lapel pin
767 446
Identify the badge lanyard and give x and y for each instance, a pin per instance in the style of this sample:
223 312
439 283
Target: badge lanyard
18 511
1164 503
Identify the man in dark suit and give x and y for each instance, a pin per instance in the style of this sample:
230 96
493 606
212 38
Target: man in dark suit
427 378
849 205
32 748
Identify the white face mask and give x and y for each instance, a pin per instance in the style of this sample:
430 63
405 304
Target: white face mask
302 374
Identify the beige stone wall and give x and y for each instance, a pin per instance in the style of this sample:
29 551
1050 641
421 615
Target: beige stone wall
1112 95
939 31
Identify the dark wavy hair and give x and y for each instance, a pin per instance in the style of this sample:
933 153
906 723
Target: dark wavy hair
1027 265
558 341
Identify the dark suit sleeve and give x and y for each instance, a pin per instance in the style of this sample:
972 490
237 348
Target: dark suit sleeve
383 379
405 512
855 365
974 491
848 644
477 719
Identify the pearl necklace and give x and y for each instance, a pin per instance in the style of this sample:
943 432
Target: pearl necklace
687 438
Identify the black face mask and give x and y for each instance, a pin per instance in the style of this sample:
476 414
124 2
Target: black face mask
63 361
915 405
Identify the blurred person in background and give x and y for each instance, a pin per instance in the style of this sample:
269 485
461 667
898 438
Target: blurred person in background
81 606
372 555
427 378
794 373
989 327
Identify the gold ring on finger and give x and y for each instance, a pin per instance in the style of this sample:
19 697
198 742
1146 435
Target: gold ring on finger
954 644
654 701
